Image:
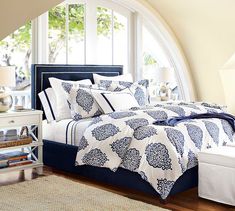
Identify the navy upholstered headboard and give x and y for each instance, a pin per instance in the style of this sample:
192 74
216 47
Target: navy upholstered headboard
41 72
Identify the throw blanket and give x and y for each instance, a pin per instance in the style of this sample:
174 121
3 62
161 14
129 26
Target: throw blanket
160 154
176 120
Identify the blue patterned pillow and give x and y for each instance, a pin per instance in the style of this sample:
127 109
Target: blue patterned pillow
82 103
139 89
61 88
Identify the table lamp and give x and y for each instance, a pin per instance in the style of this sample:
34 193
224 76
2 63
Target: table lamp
165 76
7 79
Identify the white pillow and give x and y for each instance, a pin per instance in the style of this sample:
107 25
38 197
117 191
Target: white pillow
127 77
83 104
60 86
114 101
48 100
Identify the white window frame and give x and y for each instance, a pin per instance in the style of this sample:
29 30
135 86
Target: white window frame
40 31
174 63
170 45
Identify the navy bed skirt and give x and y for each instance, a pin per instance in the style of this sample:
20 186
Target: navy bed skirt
62 157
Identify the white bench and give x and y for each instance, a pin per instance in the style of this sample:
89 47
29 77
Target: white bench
217 174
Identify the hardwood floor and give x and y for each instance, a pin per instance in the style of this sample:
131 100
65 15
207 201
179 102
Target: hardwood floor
181 202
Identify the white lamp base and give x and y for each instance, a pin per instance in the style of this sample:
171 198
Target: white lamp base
6 101
165 92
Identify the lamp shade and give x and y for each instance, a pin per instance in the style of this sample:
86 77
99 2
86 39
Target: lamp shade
7 76
165 74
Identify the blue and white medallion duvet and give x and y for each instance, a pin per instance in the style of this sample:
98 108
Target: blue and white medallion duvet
160 154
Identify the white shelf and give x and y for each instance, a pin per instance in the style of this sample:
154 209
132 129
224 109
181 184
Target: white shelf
24 113
22 167
33 144
14 119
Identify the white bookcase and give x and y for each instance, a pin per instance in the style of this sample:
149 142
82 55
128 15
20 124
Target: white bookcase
32 119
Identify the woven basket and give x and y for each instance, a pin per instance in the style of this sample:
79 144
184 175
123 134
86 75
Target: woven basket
17 142
21 140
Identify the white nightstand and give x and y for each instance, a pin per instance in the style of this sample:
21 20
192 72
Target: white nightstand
33 119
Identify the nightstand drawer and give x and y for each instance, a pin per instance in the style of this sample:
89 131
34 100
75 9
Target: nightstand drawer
19 121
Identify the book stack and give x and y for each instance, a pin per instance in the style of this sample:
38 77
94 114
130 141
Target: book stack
15 158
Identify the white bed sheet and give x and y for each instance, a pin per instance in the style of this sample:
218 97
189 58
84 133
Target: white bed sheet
65 131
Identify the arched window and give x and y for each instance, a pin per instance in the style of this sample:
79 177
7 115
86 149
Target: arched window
85 32
118 32
100 32
154 63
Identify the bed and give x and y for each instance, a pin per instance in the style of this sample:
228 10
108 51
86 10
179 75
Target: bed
53 149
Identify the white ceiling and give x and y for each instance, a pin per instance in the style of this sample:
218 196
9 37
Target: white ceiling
15 13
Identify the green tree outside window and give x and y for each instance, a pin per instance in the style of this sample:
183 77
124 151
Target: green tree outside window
20 40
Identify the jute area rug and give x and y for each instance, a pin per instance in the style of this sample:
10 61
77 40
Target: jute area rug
53 193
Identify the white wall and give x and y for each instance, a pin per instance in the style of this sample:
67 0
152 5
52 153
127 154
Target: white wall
15 13
206 31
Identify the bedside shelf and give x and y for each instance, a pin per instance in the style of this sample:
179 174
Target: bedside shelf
31 118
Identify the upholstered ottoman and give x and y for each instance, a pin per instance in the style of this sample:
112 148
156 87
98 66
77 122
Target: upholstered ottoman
217 174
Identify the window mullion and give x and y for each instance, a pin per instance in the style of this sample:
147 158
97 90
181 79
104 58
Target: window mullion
131 45
34 41
85 34
67 33
39 39
91 32
112 37
137 45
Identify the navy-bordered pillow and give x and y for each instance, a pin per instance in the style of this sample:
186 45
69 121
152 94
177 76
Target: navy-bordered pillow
114 101
48 101
139 89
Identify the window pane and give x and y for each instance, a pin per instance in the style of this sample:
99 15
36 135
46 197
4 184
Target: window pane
104 36
57 34
15 49
120 41
153 58
76 34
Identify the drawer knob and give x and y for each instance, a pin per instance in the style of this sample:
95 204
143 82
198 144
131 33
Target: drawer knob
12 121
